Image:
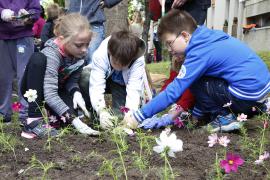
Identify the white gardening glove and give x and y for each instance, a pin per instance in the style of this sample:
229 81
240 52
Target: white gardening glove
105 119
83 128
7 15
22 12
79 101
130 121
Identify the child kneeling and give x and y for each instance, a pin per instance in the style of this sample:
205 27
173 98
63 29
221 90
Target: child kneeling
54 73
219 70
117 67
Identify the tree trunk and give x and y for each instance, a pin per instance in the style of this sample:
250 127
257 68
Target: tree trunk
146 26
116 17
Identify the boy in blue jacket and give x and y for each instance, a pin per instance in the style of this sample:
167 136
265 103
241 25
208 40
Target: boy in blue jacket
218 68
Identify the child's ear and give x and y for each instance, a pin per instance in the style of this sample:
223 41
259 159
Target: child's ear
186 35
60 38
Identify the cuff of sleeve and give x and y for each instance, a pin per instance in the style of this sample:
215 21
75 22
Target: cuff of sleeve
73 90
139 116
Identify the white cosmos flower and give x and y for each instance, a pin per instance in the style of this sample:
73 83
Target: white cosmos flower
170 141
262 158
242 117
31 95
223 141
228 104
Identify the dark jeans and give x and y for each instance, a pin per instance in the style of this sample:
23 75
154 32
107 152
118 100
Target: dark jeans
34 79
118 91
212 93
158 47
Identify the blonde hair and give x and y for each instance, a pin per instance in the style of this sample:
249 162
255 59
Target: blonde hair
70 25
52 11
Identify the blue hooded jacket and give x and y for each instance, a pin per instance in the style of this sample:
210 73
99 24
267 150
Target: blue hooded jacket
215 54
91 9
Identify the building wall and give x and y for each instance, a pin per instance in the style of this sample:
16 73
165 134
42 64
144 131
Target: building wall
244 12
258 39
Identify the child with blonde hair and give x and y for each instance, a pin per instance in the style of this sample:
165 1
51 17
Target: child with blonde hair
54 73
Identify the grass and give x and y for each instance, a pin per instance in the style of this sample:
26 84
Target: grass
160 68
266 57
164 66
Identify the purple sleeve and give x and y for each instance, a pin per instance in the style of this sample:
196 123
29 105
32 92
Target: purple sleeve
33 6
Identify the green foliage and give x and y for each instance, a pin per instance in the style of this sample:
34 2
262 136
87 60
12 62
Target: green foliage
8 142
37 164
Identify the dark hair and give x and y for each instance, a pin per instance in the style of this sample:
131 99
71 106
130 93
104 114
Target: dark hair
176 21
124 47
42 12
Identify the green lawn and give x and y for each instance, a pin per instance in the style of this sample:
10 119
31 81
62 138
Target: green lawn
164 67
160 68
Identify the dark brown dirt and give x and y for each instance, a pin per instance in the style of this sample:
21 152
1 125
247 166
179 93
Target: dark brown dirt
79 157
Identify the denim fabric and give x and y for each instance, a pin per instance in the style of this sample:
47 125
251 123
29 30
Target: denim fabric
212 94
15 55
98 37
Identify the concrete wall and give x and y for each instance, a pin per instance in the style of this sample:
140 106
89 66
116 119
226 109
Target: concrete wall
258 39
257 7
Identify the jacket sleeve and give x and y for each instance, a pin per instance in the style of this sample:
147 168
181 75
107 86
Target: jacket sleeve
192 69
72 83
134 84
97 82
51 83
34 7
111 3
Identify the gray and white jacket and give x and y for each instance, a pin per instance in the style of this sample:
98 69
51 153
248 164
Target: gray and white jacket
61 73
101 70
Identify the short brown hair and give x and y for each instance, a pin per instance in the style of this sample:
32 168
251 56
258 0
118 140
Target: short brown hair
52 11
124 47
175 22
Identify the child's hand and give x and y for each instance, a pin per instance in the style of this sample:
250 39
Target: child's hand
78 101
105 119
157 122
129 121
7 15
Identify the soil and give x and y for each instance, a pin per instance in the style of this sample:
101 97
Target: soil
80 157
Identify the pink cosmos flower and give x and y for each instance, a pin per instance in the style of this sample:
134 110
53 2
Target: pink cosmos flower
231 162
262 158
213 139
16 106
223 141
254 109
178 122
124 109
242 117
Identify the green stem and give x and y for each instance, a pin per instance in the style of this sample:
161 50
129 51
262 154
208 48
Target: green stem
167 161
262 140
122 160
47 122
165 167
